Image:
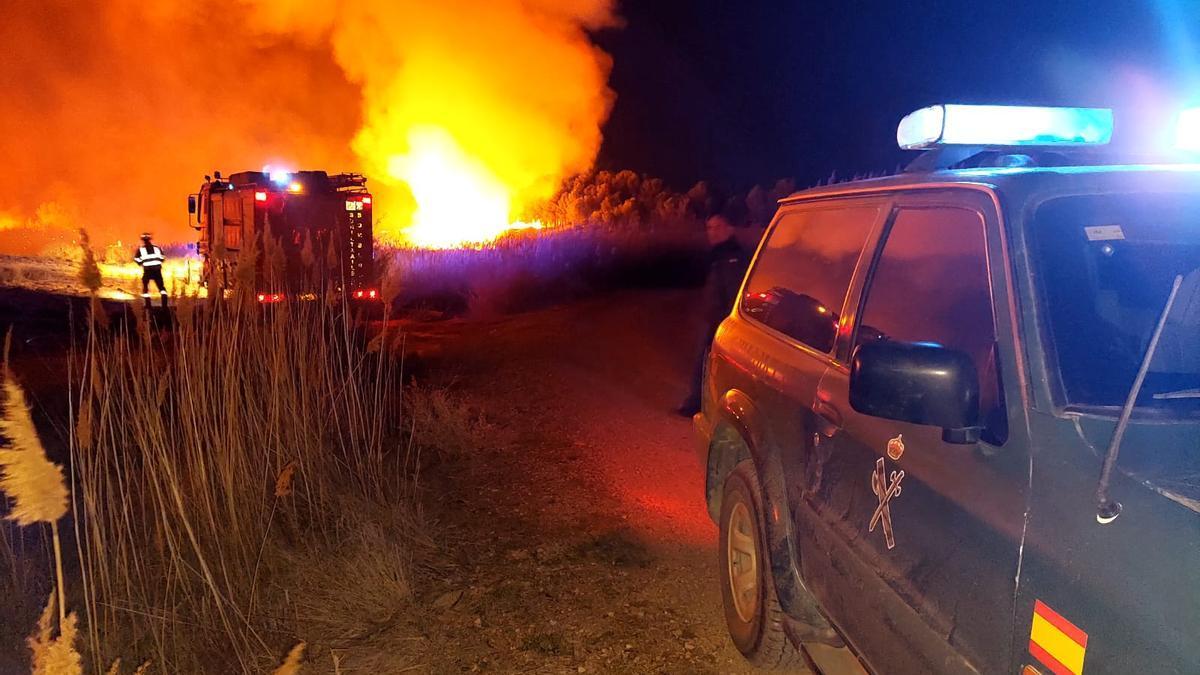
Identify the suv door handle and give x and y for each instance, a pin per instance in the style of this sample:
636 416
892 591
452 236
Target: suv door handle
829 419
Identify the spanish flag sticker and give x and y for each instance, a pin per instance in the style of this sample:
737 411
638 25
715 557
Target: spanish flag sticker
1059 644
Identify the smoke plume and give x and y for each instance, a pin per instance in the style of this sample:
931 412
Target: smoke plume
462 114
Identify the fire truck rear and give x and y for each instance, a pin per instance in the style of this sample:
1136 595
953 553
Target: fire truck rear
312 232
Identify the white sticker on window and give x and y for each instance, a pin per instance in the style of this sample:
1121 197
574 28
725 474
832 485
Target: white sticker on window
1104 232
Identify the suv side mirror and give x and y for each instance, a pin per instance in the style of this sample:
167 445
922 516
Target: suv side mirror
920 383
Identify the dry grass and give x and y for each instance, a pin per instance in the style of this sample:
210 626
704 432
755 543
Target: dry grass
603 230
244 481
447 427
241 487
24 584
24 271
118 281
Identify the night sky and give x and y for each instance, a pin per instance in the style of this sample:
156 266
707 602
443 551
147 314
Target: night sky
738 92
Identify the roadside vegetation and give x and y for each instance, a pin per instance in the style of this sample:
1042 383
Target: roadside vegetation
602 231
242 487
242 480
237 484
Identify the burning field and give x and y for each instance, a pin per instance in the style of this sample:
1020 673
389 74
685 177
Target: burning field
464 116
226 483
59 275
476 124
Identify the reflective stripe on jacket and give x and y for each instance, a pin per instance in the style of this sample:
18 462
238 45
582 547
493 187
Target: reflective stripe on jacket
149 258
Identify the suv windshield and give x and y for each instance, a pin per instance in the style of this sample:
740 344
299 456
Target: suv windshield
1105 264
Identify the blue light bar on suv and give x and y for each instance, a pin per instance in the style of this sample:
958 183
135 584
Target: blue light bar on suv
1004 125
1187 130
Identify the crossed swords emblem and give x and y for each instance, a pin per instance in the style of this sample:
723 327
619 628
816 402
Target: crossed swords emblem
884 493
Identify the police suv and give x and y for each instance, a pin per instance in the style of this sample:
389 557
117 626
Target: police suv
952 424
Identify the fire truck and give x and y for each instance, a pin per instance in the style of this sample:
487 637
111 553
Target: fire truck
312 232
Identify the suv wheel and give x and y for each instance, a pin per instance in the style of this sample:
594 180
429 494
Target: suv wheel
752 612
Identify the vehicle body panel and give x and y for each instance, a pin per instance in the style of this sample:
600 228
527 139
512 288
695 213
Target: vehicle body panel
1132 585
987 530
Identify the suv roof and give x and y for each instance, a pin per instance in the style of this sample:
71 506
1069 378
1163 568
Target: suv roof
1015 179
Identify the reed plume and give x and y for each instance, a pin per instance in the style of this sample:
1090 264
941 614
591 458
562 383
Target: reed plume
33 483
55 656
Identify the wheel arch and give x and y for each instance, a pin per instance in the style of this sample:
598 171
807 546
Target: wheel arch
734 438
738 434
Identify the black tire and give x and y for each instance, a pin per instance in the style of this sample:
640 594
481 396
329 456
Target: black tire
755 620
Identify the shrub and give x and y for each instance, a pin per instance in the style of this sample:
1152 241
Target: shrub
603 230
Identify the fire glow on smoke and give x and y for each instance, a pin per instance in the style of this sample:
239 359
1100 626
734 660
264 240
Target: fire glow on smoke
461 114
472 112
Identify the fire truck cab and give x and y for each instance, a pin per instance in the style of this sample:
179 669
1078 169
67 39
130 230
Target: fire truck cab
311 231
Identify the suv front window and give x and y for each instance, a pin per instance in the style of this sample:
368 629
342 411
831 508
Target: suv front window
1105 264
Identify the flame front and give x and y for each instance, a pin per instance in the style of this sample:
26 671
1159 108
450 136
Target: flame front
471 111
462 114
458 200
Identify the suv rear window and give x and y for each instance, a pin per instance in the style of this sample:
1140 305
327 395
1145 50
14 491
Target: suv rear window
799 282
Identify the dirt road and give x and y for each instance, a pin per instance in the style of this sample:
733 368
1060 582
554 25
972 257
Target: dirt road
578 533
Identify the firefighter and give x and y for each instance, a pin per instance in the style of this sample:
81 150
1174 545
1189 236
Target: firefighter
727 262
150 257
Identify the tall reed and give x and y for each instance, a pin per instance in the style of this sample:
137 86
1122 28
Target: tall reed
216 457
38 494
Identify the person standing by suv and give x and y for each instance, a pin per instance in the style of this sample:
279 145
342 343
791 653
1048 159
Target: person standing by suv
727 262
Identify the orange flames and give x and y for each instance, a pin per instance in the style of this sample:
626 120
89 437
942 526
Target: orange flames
462 114
459 200
472 111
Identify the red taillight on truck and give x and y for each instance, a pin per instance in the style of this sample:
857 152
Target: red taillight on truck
260 196
357 203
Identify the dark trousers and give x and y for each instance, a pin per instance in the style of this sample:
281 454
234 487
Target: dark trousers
696 385
153 273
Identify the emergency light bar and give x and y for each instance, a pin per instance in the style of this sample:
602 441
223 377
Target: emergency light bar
1187 130
280 177
1005 125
